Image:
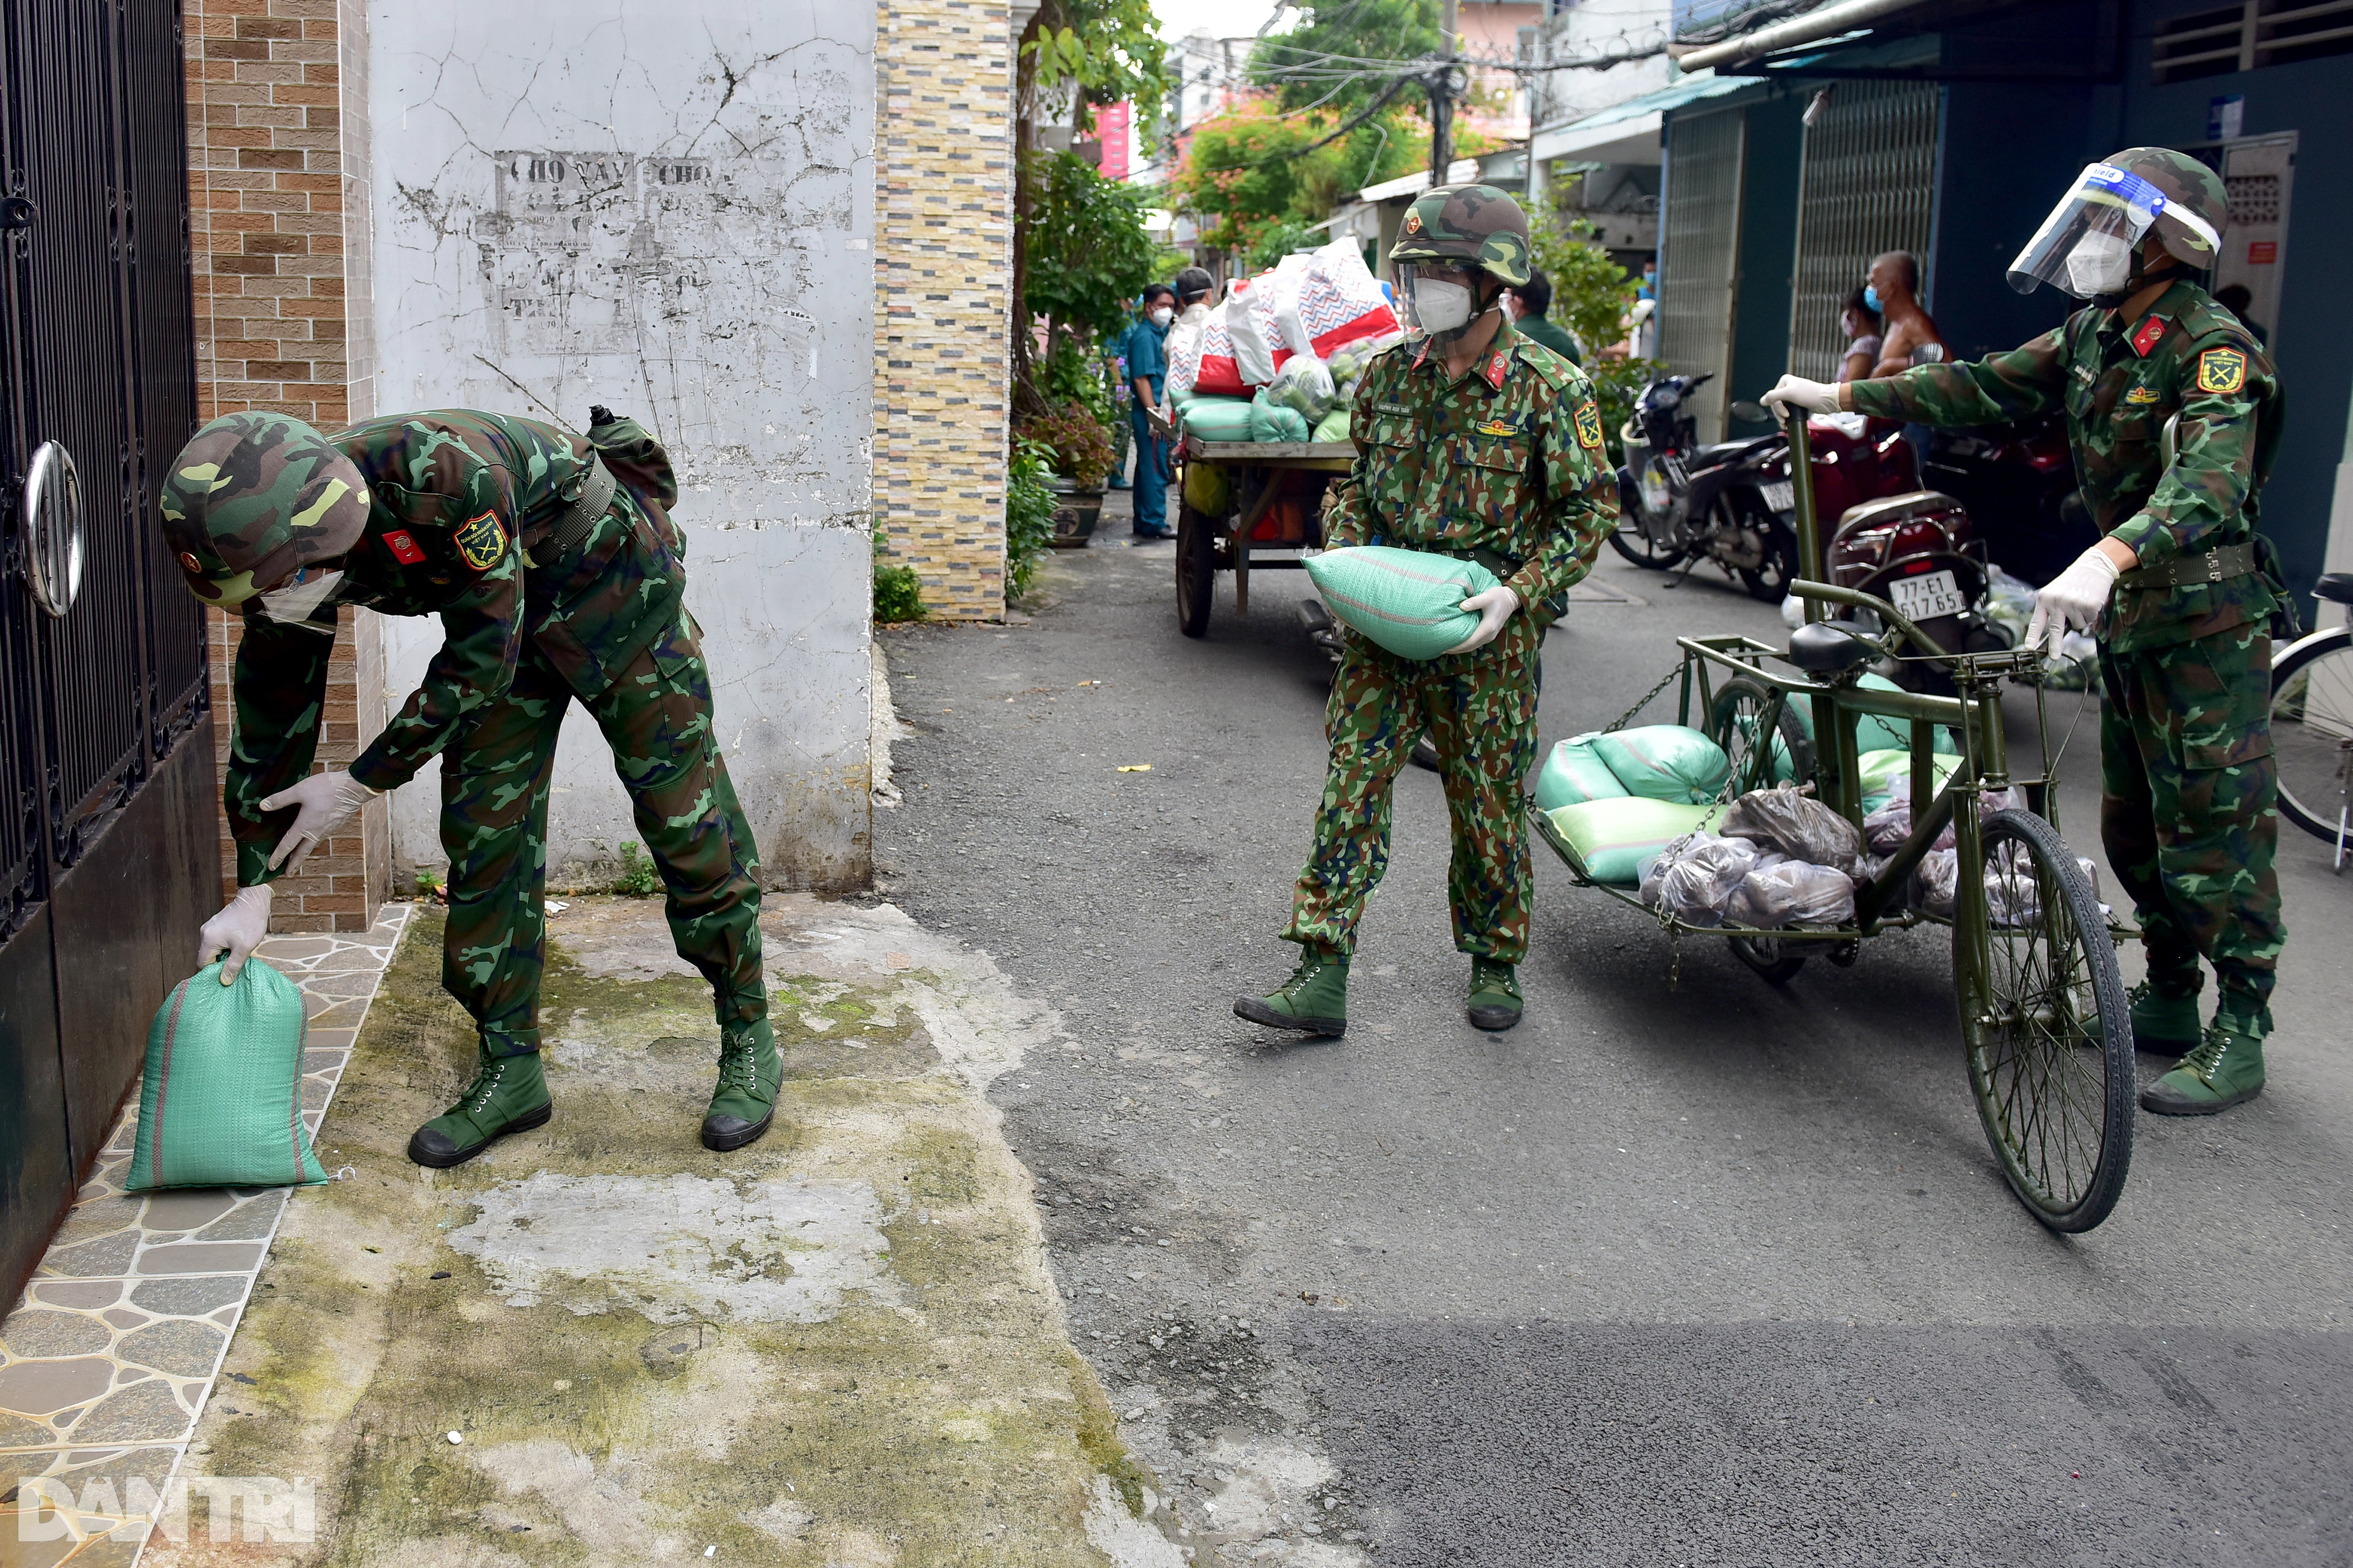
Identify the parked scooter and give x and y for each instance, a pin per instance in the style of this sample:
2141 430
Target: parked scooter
1730 503
2019 482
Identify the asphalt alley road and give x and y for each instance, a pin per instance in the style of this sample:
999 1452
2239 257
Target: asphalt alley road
1710 1273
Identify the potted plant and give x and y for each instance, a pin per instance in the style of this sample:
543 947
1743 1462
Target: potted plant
1083 458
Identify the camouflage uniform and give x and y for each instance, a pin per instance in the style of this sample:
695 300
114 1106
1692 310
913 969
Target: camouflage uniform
2188 812
459 502
1503 463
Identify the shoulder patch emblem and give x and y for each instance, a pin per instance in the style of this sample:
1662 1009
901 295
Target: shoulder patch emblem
2147 338
2141 395
1588 424
2221 370
481 540
404 548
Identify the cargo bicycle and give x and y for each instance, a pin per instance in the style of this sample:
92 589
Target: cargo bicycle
2045 1030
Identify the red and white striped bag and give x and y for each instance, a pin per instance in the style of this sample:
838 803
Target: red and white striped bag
1215 373
1340 301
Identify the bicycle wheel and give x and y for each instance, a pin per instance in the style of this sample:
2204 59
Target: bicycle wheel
1735 717
1769 956
1197 572
2046 1027
1630 541
2312 731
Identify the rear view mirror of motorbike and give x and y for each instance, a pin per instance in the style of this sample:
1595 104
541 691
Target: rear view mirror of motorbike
1750 412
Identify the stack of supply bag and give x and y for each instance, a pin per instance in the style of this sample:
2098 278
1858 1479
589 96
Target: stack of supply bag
1619 797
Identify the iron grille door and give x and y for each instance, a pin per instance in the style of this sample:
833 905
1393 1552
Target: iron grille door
1869 187
1700 255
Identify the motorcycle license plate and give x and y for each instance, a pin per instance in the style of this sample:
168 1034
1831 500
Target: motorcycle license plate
1926 596
1779 494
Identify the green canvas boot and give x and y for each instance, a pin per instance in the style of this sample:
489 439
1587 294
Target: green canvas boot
2224 1070
509 1094
2164 1026
1494 994
744 1101
1315 1000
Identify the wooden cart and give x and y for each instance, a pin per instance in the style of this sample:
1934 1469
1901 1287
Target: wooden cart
1274 501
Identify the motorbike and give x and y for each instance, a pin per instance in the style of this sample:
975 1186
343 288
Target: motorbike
1730 503
2019 481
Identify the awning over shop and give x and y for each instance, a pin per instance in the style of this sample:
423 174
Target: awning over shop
1627 133
1813 27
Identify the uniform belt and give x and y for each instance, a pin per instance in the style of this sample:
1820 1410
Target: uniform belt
570 528
2183 571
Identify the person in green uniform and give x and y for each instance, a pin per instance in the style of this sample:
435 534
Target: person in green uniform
1473 441
2174 412
558 575
1531 301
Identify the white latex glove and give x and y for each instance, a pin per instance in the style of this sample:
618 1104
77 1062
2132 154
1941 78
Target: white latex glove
243 922
2072 600
324 801
1797 392
1493 607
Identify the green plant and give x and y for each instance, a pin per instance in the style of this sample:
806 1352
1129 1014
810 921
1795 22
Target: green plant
639 878
428 884
1071 373
1029 503
1088 253
1252 169
1590 292
1616 382
897 590
1075 439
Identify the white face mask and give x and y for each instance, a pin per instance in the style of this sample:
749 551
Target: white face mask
299 599
1161 316
1441 307
2099 264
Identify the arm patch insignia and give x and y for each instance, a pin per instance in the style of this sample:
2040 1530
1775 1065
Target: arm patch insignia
480 542
1588 424
2221 370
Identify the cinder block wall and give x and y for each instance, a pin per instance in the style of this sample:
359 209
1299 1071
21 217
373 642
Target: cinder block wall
279 201
943 271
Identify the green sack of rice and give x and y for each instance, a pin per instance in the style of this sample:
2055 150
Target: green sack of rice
1333 426
1880 770
1572 775
221 1104
1219 418
1273 422
1407 601
1666 762
1872 731
1615 840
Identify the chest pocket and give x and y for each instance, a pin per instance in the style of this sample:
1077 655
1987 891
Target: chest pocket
1496 454
1392 430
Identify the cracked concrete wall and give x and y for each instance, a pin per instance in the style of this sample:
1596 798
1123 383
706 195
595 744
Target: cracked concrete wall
666 208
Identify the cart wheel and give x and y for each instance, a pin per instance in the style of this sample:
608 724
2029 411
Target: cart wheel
2043 1018
1769 956
1197 572
1733 719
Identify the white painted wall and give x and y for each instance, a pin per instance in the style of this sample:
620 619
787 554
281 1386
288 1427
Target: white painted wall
666 206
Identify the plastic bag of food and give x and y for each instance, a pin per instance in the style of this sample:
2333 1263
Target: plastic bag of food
1407 601
1666 762
1938 880
1284 283
1303 384
1273 422
1573 774
1792 892
1250 326
1333 426
1878 772
1215 370
1208 490
1796 824
221 1102
1340 302
1694 877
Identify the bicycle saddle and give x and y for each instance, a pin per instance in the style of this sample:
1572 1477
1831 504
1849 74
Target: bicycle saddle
1831 647
2335 586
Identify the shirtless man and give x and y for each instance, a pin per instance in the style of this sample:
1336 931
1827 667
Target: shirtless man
1893 291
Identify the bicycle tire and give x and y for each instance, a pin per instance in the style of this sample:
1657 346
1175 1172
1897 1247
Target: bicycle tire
1197 572
1733 714
2301 753
2035 1059
1642 551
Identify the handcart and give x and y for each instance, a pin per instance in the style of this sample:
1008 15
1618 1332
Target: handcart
1273 494
2046 1035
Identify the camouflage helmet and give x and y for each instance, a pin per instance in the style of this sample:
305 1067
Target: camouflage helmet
253 496
2184 182
1467 226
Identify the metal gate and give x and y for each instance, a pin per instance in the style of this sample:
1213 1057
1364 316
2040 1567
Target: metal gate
106 834
1699 257
1869 187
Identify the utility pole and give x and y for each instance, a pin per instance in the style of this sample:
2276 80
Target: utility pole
1441 99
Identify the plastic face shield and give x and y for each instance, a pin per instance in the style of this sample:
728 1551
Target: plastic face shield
2086 247
1431 294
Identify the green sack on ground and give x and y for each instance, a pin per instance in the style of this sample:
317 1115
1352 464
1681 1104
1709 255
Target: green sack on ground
1572 775
1616 839
221 1104
1274 422
1219 418
1333 426
1207 490
1880 770
1407 601
1666 762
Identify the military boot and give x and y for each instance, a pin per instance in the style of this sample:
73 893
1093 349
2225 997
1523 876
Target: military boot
744 1101
2161 1024
2224 1070
1494 994
509 1094
1315 1000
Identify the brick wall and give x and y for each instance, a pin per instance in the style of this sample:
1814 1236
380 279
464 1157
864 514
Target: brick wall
943 226
278 199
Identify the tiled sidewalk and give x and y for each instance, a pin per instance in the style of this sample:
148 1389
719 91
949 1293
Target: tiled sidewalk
108 1357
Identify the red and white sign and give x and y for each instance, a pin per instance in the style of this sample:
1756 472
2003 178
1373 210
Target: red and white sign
2263 252
1114 127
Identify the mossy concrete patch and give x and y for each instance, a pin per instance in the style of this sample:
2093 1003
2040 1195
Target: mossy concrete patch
839 1346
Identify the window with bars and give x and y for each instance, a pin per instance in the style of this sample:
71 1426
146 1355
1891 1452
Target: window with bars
2249 36
1869 187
